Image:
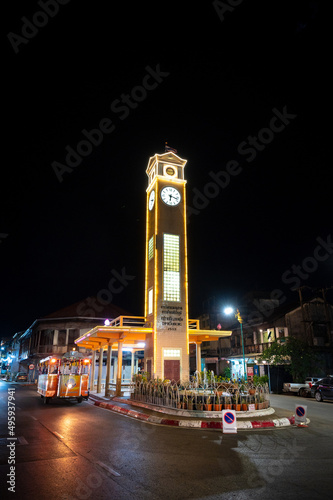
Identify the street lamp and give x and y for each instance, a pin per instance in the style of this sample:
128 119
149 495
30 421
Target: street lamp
229 310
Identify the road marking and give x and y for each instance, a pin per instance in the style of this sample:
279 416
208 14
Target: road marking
108 469
57 435
22 440
19 440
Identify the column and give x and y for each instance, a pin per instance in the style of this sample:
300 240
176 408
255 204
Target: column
119 367
92 374
108 369
198 355
100 367
132 364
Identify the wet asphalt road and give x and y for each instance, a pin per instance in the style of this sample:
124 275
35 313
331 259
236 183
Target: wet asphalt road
70 451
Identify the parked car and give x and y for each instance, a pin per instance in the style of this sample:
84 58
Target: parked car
21 377
310 381
322 389
300 389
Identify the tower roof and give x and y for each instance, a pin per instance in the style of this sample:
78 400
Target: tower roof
169 157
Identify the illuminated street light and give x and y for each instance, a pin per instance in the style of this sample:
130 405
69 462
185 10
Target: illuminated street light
229 310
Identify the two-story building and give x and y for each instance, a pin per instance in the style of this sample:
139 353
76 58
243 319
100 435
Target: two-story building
310 321
56 333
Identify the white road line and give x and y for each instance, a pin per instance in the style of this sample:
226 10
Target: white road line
58 435
22 440
108 469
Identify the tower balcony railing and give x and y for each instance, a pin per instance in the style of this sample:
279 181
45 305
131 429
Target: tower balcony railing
131 321
193 324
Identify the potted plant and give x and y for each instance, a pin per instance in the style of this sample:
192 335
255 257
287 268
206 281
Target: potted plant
261 402
256 400
227 403
190 403
236 405
217 404
244 404
199 405
208 404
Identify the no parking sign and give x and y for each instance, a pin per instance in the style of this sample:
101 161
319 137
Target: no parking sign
229 424
300 414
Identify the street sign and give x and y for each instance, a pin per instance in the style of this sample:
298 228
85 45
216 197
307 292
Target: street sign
229 424
31 367
300 414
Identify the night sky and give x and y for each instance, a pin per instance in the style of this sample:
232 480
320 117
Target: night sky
207 79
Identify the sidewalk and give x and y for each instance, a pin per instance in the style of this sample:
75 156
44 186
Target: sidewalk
259 419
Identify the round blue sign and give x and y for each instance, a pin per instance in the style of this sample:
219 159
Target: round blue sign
229 418
300 411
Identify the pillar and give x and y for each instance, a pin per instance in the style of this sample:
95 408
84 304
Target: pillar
100 367
92 374
198 355
119 367
108 369
132 365
115 369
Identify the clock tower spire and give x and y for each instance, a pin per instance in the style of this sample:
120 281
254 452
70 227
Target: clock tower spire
166 277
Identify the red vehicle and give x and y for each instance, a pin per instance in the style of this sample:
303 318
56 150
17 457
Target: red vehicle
64 376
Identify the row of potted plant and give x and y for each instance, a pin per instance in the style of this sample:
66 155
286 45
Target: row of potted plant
229 403
237 395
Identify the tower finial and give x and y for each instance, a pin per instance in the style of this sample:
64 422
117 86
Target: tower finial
168 149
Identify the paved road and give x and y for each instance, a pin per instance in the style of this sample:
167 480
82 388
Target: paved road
70 451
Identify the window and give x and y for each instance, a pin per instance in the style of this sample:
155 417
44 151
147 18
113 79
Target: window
150 301
171 274
46 337
151 248
73 333
62 334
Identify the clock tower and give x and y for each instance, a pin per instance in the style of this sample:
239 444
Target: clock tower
166 283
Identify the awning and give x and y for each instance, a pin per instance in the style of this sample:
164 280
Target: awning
133 330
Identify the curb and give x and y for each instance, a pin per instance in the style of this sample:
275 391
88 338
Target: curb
197 424
190 414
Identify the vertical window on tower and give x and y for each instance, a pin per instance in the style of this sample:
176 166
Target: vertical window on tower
151 248
171 274
150 301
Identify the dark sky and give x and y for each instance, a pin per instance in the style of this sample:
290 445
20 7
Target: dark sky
223 77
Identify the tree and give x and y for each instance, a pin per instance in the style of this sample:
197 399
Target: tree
299 357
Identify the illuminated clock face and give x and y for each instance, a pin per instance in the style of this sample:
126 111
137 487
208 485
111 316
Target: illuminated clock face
170 170
170 196
151 200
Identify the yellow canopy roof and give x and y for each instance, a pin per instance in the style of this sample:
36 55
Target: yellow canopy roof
132 330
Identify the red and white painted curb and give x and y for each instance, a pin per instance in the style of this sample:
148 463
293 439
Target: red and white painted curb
199 424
